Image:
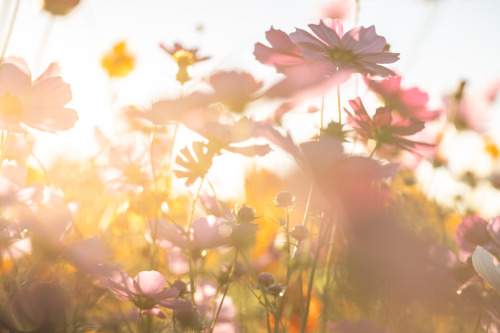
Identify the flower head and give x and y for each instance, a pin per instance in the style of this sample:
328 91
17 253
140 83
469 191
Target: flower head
383 128
184 58
59 7
360 49
147 290
118 62
38 104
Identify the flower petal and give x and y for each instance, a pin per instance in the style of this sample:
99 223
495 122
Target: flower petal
484 265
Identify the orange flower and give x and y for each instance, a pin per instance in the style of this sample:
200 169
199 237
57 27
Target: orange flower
118 62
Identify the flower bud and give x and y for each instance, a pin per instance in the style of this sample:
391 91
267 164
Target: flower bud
245 214
60 7
284 199
266 279
275 289
179 285
300 232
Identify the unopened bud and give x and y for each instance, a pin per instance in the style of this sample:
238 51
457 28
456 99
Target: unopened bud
300 232
275 289
245 214
266 279
284 199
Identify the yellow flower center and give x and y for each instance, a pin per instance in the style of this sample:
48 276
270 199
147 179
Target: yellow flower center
10 106
183 58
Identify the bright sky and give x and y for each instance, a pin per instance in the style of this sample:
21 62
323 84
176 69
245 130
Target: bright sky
441 42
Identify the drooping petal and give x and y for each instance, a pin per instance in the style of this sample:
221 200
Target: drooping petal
485 266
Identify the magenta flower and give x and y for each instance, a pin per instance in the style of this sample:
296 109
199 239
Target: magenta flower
383 128
407 102
146 290
360 49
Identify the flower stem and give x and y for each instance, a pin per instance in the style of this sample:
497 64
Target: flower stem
154 230
233 268
338 103
321 238
11 28
322 111
190 254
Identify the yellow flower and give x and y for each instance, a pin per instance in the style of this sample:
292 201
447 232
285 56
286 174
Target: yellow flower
118 62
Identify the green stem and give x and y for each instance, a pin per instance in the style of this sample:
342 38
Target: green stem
154 230
321 238
190 254
138 327
329 261
225 291
322 111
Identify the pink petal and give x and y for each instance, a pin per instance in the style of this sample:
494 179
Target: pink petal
149 282
15 77
328 35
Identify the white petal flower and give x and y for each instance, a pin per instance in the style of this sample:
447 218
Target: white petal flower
484 264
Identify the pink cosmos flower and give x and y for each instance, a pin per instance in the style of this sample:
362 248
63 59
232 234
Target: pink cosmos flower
383 128
147 290
38 104
207 232
283 53
472 112
360 49
407 102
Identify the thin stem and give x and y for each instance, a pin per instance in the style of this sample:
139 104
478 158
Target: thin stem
321 238
11 28
329 261
138 327
225 291
289 272
154 230
5 142
322 111
374 149
338 103
190 254
254 276
305 218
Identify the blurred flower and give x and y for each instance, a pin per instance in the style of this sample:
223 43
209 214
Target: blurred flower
147 290
486 266
207 301
234 89
59 7
471 112
383 128
207 232
38 104
338 9
473 231
284 199
195 163
184 58
407 102
359 50
118 62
